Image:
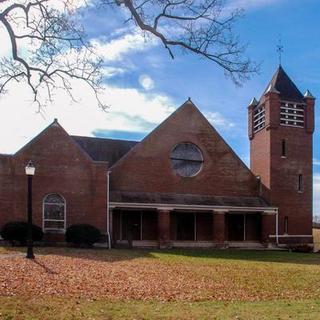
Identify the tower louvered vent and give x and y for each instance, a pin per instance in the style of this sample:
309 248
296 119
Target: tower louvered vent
259 118
292 114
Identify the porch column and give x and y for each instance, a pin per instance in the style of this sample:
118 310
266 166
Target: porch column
267 226
163 228
218 227
111 225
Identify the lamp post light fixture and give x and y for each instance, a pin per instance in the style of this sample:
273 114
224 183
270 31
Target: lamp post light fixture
30 170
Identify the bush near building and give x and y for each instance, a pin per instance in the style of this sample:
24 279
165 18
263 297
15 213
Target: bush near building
16 232
83 235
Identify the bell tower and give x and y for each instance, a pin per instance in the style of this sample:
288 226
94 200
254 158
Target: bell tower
281 126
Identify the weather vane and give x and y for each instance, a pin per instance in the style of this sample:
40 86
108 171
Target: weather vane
280 49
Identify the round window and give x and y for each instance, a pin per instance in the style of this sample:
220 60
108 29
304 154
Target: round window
186 159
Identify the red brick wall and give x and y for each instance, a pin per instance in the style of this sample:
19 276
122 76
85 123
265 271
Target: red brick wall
147 167
284 179
6 188
268 224
280 174
61 167
260 156
204 226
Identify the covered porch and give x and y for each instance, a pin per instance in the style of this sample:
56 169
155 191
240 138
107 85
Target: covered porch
141 224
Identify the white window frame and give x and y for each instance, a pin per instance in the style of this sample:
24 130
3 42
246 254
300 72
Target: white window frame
56 230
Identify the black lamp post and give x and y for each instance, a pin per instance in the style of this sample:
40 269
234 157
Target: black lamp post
30 170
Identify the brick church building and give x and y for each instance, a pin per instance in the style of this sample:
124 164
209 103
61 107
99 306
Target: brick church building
182 185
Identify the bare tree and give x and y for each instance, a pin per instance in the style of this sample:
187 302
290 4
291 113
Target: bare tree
201 27
48 47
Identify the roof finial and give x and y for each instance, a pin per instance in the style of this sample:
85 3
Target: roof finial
272 89
55 122
280 49
254 102
308 95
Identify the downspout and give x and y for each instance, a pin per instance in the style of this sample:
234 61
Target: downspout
108 210
277 227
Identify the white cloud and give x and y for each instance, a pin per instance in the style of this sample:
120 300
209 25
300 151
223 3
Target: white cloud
71 5
146 82
218 120
25 45
250 4
115 49
110 72
316 162
130 110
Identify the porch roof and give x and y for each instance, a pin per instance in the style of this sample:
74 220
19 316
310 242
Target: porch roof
186 199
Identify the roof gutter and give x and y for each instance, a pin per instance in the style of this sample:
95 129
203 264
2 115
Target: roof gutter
270 210
108 210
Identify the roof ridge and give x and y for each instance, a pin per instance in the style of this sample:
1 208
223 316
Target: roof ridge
103 138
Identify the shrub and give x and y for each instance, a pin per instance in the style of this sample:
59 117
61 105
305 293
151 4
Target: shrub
17 231
82 234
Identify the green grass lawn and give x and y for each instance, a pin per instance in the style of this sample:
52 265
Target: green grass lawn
70 309
67 283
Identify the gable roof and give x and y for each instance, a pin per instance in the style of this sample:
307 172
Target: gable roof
287 89
54 124
96 149
101 149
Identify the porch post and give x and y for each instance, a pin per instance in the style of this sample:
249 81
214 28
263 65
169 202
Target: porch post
111 225
164 228
267 226
218 228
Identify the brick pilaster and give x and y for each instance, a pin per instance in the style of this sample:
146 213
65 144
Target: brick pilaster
267 226
219 226
164 228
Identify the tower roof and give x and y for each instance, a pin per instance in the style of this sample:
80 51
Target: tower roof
287 89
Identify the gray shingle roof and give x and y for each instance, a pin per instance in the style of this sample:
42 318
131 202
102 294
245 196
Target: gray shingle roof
186 199
282 83
101 149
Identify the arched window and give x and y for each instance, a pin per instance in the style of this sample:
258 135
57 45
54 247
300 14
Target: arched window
54 213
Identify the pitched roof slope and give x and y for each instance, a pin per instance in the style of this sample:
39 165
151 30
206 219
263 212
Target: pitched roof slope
186 199
282 83
101 149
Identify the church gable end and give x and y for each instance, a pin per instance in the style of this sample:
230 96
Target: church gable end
52 142
184 154
63 169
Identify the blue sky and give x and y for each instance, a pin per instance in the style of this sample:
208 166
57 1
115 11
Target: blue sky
144 85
